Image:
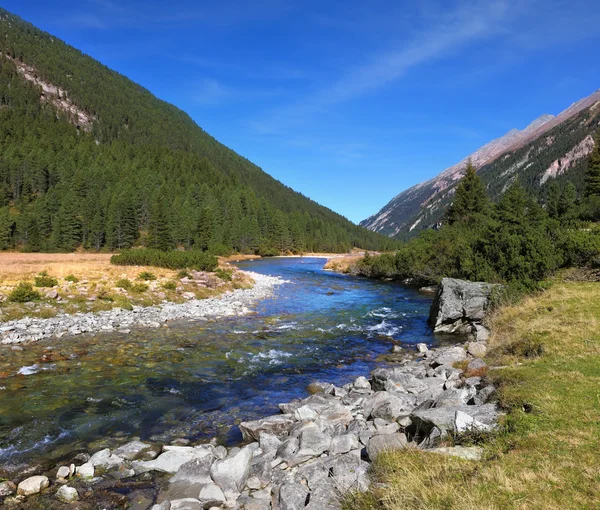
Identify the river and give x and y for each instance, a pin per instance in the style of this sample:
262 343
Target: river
196 380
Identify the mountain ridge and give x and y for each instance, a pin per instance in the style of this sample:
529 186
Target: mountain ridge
91 159
401 215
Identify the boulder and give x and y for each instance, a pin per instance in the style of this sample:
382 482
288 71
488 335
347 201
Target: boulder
32 485
85 470
186 504
63 473
230 474
320 387
386 442
171 459
105 460
477 349
67 494
476 365
388 406
458 305
211 495
482 334
464 422
396 380
422 348
449 356
134 450
348 472
277 425
7 488
292 496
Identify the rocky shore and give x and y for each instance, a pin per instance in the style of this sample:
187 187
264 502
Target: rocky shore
307 457
231 303
312 454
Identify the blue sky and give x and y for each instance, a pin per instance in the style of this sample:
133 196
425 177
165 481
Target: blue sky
348 102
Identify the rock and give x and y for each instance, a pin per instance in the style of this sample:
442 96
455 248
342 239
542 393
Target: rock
186 504
454 397
387 405
32 485
464 452
67 494
348 472
476 365
343 444
477 349
63 473
165 505
292 496
397 349
278 425
449 356
313 440
133 450
171 459
52 294
386 442
268 442
465 423
320 387
85 470
443 419
105 460
396 380
458 304
7 488
211 495
305 413
484 396
231 473
422 348
482 334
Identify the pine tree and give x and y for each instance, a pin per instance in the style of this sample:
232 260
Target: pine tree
159 231
470 200
552 199
592 176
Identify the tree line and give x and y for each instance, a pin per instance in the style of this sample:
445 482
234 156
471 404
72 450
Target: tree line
518 240
144 174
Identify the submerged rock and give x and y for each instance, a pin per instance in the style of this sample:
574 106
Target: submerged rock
32 485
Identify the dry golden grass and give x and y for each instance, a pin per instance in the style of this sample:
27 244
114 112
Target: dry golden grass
97 287
15 267
547 455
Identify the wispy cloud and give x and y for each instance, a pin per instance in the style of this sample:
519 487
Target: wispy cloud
465 24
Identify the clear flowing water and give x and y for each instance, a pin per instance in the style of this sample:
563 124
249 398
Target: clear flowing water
198 379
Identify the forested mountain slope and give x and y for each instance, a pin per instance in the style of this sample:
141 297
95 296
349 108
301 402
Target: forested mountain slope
89 158
549 149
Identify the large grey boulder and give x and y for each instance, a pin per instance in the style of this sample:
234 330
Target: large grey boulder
172 459
231 473
278 425
459 305
388 406
384 443
396 380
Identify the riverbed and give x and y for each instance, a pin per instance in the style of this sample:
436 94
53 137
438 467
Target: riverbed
198 379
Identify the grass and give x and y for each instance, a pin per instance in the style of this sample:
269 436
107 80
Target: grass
88 282
547 455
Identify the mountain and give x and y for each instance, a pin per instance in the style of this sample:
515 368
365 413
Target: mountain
550 147
90 159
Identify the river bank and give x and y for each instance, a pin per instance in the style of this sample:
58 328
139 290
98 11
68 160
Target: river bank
235 302
191 382
310 456
546 455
